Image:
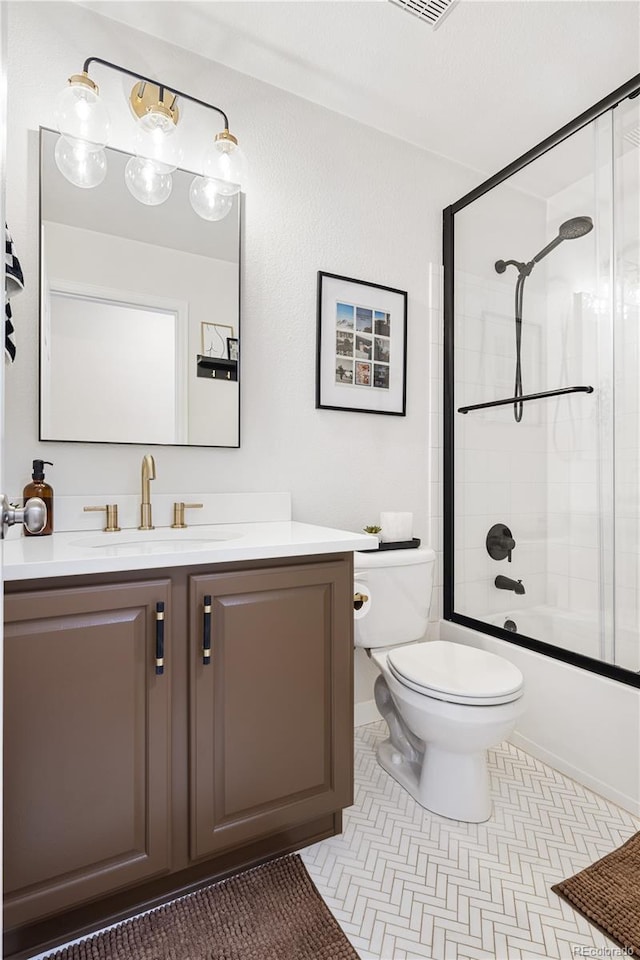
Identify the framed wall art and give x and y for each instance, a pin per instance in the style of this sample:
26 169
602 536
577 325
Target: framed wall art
362 346
214 339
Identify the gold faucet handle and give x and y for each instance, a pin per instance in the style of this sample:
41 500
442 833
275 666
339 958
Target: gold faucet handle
111 510
178 514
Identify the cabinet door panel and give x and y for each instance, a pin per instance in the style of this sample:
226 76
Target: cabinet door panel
86 768
274 703
272 720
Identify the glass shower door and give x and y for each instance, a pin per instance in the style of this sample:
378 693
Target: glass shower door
625 294
530 258
542 396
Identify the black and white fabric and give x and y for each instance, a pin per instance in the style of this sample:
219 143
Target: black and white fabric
14 284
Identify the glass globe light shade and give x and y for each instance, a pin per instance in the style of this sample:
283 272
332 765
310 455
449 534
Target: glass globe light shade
146 182
155 139
224 161
207 200
81 115
80 162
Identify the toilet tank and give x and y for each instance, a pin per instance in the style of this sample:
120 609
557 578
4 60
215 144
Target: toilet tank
398 584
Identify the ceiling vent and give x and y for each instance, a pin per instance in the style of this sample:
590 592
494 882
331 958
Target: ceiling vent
431 11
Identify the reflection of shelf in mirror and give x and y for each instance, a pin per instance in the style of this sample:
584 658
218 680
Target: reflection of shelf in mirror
216 368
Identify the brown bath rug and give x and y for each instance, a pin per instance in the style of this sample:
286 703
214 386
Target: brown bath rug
608 894
272 912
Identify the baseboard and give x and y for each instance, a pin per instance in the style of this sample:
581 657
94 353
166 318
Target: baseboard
576 773
365 712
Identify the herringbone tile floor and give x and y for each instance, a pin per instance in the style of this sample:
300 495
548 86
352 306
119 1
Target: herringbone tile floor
404 883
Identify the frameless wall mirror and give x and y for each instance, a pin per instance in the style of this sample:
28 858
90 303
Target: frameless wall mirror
139 313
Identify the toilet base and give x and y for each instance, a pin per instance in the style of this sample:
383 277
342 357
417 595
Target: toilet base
453 785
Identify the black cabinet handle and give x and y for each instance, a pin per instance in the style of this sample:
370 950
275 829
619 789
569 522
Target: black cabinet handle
159 639
206 631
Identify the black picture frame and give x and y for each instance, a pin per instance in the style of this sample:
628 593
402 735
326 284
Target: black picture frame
233 348
361 361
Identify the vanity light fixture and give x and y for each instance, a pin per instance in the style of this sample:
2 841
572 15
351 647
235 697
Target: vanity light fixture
158 151
83 122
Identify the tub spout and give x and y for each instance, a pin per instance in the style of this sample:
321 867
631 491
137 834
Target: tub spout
505 583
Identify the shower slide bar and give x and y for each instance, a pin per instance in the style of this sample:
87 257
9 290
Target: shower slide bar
529 396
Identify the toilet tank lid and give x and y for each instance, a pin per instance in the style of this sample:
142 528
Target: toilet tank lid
393 558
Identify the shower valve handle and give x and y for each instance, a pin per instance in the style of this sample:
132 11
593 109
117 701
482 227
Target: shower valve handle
500 542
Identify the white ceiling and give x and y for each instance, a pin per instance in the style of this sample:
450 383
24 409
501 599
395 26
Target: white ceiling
494 79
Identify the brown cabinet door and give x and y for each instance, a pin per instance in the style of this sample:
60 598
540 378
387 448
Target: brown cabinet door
271 716
86 745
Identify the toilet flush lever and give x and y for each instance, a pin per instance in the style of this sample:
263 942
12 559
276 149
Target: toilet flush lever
359 599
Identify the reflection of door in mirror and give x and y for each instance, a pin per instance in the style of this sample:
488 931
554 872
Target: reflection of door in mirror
128 358
126 293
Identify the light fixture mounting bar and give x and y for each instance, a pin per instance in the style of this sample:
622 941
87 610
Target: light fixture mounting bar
157 83
145 96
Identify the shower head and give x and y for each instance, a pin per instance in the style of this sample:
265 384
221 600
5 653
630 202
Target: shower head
577 227
569 230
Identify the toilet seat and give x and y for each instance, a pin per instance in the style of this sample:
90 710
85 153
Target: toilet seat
455 673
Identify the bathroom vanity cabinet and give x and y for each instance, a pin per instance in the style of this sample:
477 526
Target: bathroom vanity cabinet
124 786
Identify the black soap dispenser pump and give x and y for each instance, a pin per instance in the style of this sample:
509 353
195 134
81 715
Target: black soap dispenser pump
39 488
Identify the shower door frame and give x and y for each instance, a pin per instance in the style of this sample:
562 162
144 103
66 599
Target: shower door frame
630 89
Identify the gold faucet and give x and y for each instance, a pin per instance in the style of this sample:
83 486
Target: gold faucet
148 474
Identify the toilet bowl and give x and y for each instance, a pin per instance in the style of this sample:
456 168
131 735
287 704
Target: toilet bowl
445 703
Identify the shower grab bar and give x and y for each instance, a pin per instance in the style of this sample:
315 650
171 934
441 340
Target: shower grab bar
529 396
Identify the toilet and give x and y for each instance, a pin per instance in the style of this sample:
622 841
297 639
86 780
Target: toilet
444 703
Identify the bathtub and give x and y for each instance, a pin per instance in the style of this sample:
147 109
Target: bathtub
562 628
579 633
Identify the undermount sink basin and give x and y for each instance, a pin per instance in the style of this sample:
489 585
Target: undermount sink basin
155 541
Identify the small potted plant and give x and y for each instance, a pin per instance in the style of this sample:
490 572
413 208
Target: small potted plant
373 529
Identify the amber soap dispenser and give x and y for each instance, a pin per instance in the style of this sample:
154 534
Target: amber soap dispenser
39 488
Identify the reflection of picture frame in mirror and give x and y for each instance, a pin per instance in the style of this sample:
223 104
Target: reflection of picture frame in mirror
232 348
214 339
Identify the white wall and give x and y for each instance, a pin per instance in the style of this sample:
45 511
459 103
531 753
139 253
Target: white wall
325 193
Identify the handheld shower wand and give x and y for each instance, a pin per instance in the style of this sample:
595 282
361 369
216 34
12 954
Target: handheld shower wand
569 230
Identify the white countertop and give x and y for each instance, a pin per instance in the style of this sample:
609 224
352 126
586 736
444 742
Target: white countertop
80 552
